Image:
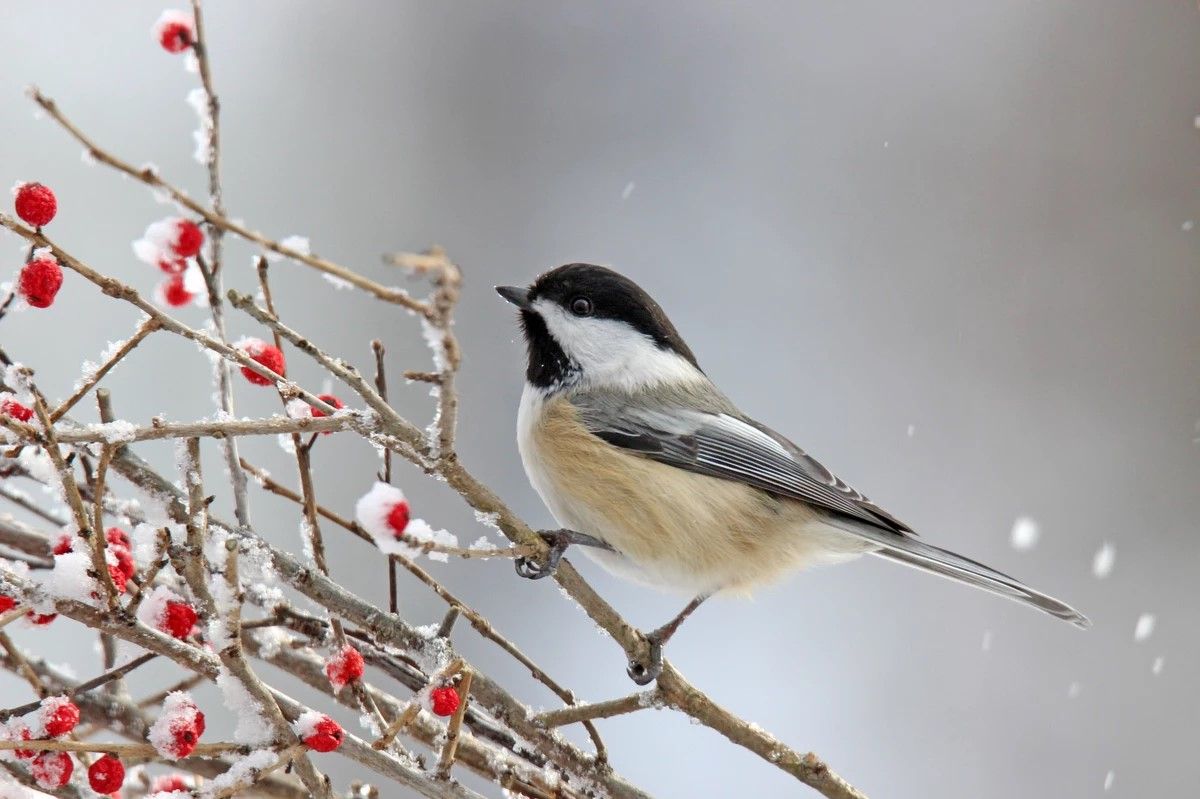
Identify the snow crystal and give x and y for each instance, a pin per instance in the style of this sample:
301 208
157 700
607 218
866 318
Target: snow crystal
298 409
491 520
242 771
481 543
295 243
912 430
87 157
191 62
339 283
1144 627
271 640
1157 667
1188 225
986 645
114 432
286 443
69 579
628 190
1025 533
1102 563
252 725
1073 690
1108 780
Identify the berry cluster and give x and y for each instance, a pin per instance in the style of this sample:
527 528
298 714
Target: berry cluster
56 717
41 277
170 244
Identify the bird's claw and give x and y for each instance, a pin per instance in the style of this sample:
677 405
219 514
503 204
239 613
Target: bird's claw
531 569
644 672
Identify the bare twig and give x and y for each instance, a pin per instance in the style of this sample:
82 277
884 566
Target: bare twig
144 329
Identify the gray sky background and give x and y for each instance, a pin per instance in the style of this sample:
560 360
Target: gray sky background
964 217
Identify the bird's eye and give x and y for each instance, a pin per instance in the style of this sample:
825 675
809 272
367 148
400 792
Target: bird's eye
581 306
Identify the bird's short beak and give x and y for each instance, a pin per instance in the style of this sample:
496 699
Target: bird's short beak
515 294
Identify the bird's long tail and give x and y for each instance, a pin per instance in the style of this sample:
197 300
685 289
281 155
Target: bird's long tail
916 553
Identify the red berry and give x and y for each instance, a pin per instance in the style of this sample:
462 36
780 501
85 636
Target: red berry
107 774
118 537
324 736
59 716
35 204
15 410
174 31
52 769
19 731
40 280
328 399
266 354
445 700
63 544
344 667
173 291
168 783
397 518
178 619
40 619
188 239
7 603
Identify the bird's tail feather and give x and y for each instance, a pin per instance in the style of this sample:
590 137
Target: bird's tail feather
916 553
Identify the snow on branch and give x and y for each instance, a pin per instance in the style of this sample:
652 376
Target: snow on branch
134 554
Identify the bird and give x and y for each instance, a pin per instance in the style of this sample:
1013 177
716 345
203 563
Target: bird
647 464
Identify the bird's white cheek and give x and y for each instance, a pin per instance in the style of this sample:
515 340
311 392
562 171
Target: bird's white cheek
612 354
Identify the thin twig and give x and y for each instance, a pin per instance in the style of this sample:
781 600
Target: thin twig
147 327
450 748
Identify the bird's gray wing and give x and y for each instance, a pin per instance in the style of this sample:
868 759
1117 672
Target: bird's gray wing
712 438
722 443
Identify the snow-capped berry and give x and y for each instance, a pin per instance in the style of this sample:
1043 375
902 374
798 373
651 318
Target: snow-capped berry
266 354
7 603
444 700
167 611
398 518
14 410
35 203
52 769
179 619
63 544
117 537
107 774
175 31
344 667
319 732
170 782
177 731
58 715
188 239
383 511
40 619
173 292
40 281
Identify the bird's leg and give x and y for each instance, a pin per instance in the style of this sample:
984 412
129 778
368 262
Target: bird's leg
643 673
558 540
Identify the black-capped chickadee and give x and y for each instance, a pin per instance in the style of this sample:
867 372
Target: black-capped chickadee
641 458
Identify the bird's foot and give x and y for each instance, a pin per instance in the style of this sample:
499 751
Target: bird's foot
558 541
645 670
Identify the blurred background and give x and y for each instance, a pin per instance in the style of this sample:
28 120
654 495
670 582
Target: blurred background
947 247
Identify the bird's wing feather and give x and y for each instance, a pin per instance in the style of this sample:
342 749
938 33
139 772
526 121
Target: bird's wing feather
716 440
724 444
